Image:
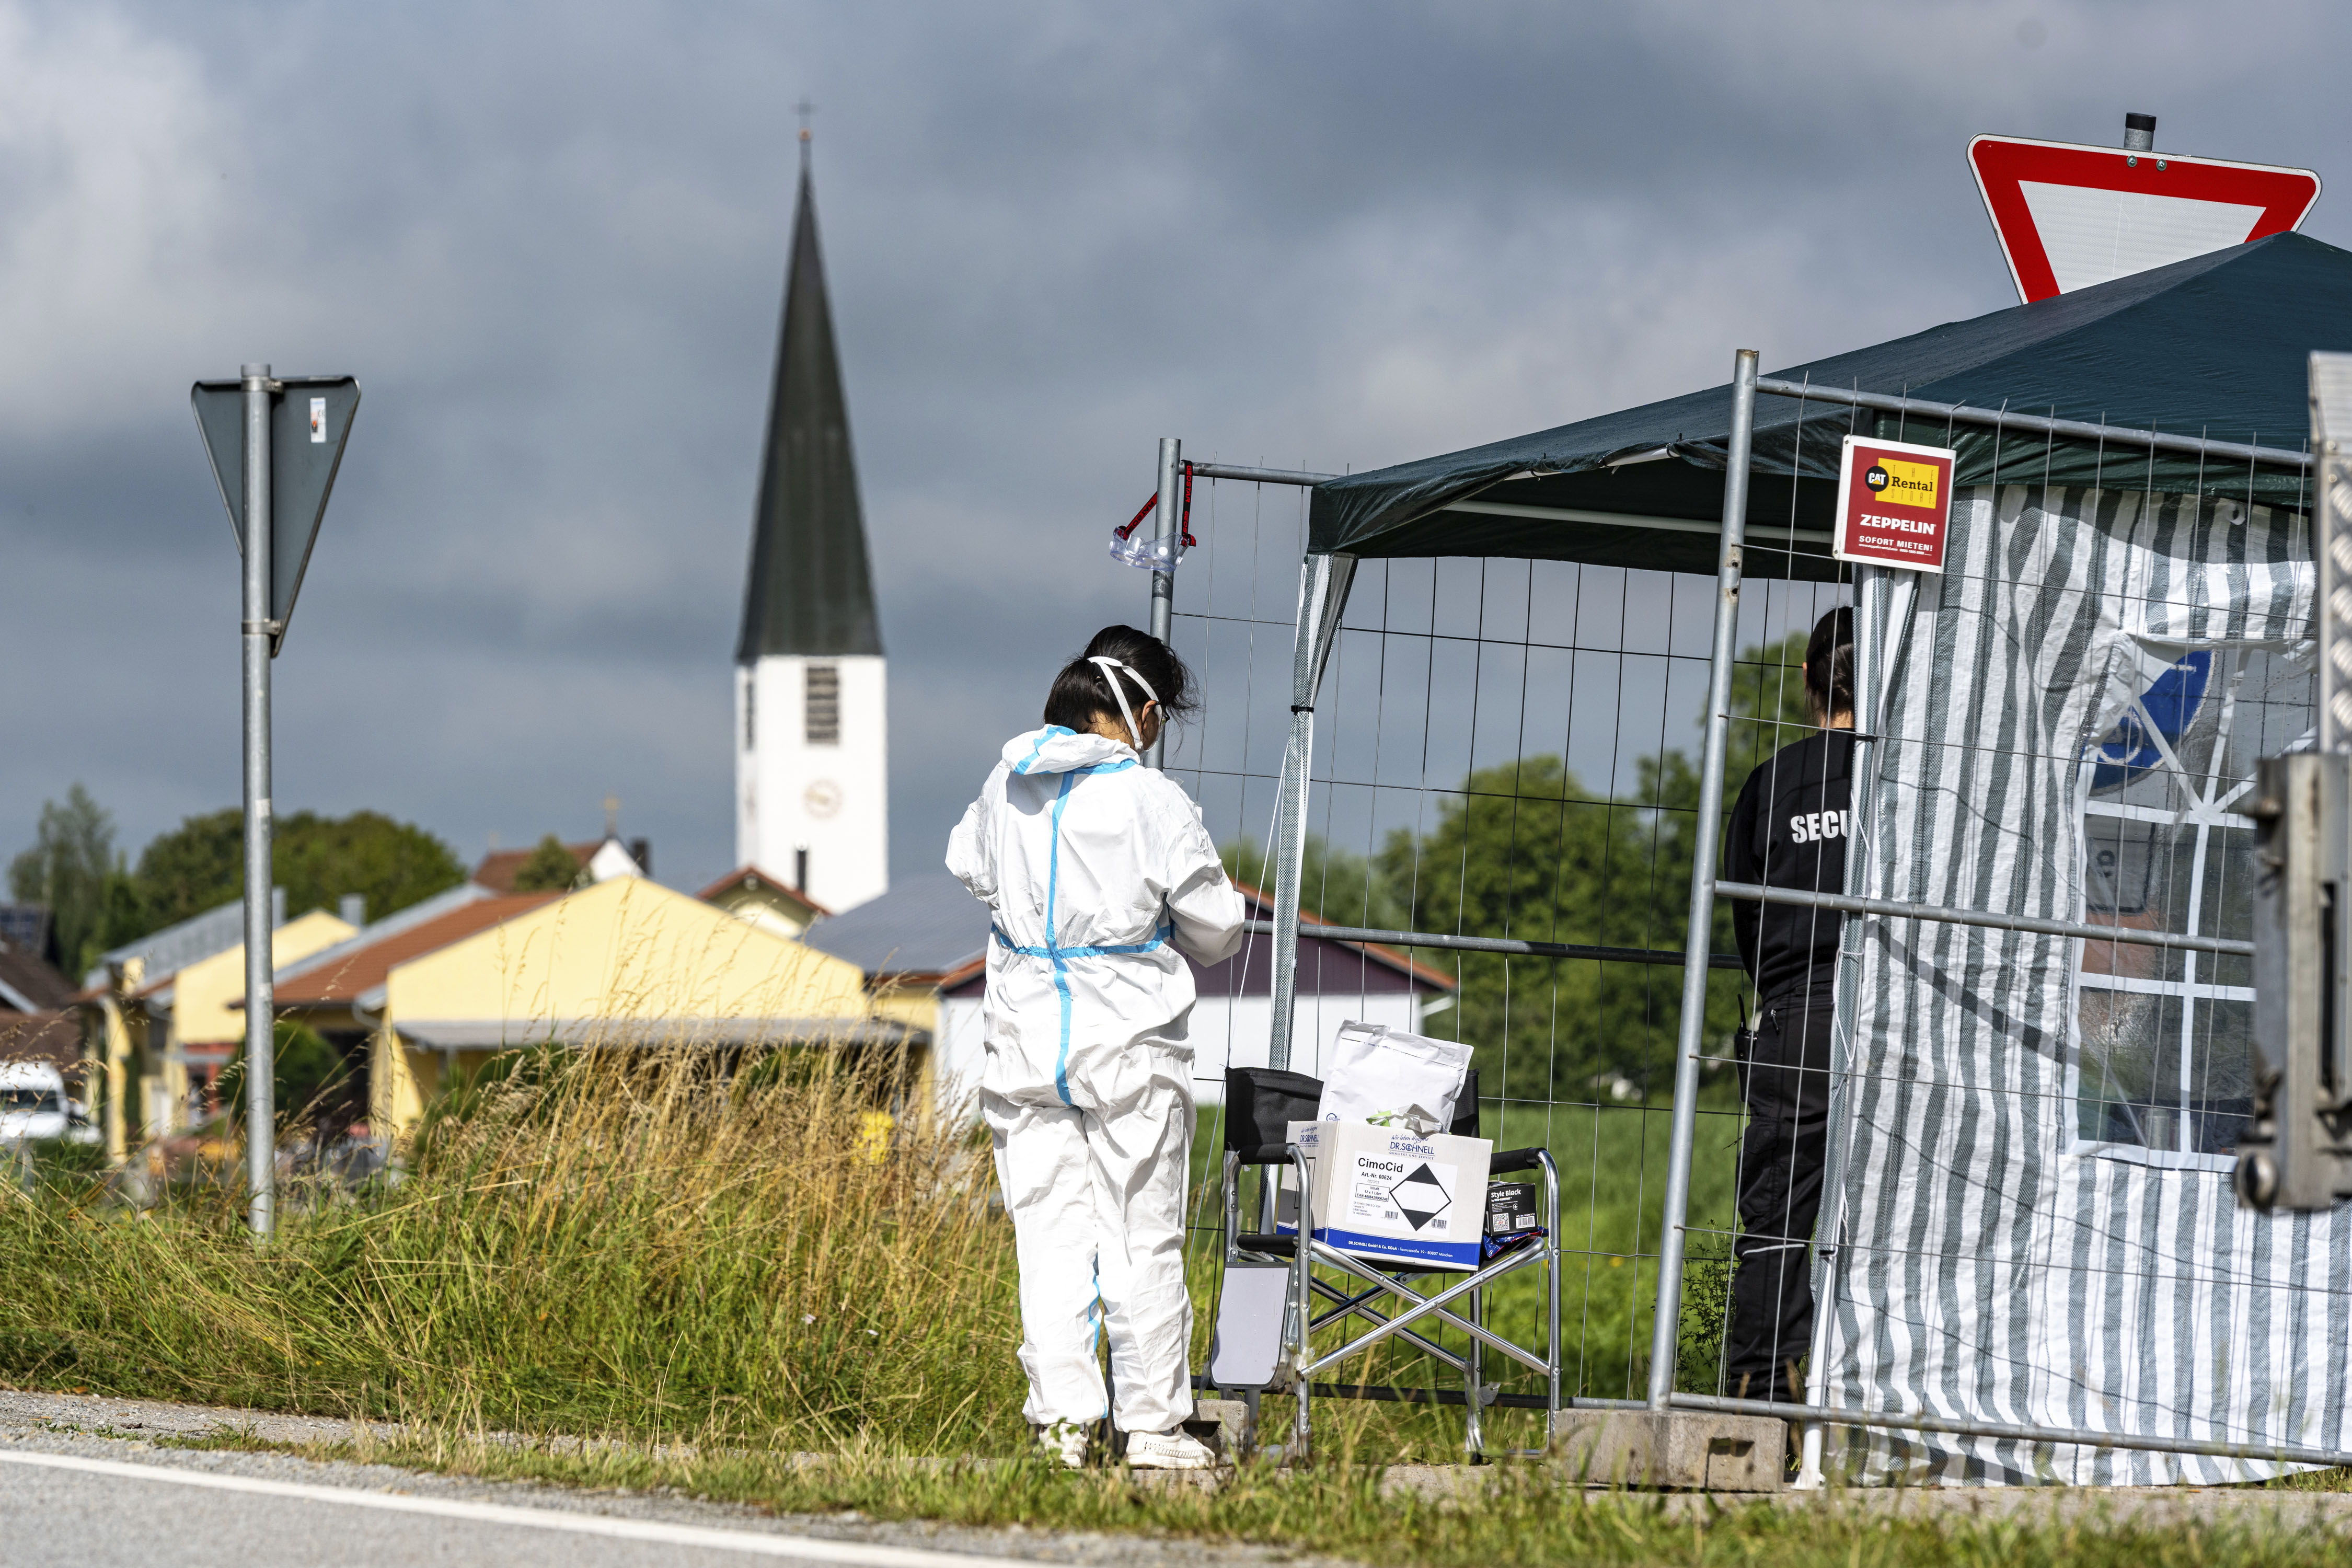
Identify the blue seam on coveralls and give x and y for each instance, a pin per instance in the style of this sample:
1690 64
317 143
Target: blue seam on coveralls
1057 954
1046 734
1160 939
1053 954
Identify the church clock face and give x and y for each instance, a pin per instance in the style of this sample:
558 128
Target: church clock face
822 798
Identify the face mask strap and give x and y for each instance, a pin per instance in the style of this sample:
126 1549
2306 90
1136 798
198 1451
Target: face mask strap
1110 669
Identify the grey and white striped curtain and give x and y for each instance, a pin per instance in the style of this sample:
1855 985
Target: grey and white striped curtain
2027 1242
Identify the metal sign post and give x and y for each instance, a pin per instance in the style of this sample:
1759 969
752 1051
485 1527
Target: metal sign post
254 632
282 442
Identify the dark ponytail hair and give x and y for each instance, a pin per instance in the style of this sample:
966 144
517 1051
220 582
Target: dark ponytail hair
1829 664
1081 693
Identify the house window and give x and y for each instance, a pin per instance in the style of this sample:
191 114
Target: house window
822 704
750 710
2162 1038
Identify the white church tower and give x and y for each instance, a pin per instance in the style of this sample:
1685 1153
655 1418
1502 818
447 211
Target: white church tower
812 762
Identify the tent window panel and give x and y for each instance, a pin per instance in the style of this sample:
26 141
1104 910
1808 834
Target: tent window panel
2220 1076
2164 1038
2129 1084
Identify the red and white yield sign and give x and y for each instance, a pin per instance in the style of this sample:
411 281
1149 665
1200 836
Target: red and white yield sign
1894 503
2071 215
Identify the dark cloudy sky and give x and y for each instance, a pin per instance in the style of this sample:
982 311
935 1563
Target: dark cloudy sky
550 238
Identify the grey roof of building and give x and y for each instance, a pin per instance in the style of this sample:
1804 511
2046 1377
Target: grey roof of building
172 949
928 924
810 589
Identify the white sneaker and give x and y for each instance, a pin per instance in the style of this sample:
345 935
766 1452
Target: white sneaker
1170 1451
1064 1443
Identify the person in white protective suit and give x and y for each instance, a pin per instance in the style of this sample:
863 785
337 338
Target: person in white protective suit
1099 879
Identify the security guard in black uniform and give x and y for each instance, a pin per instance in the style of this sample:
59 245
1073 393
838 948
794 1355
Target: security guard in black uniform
1789 830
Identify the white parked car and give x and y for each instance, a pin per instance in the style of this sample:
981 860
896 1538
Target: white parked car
33 1106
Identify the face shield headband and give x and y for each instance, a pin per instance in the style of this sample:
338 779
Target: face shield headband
1110 669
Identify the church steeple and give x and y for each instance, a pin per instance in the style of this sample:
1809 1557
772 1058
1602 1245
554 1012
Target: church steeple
811 591
811 687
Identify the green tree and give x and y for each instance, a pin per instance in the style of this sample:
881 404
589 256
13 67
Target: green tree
1335 885
200 865
1769 708
196 866
390 864
550 869
69 868
1525 850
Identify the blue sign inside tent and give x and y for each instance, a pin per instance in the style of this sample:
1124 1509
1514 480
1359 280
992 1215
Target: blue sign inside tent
2129 752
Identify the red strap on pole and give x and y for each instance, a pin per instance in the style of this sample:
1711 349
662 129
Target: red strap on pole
1184 528
1144 511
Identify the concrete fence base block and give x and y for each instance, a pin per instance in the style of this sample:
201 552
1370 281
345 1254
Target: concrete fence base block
1693 1450
1223 1425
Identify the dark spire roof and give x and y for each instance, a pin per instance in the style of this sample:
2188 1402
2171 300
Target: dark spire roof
810 590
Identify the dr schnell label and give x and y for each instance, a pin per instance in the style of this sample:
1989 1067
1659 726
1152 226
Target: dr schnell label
1894 503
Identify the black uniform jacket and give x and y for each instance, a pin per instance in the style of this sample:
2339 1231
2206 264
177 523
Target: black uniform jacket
1789 830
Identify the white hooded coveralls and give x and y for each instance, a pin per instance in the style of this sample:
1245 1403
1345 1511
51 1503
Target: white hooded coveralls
1098 878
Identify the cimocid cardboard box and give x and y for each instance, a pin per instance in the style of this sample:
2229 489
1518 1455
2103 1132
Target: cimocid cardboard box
1389 1196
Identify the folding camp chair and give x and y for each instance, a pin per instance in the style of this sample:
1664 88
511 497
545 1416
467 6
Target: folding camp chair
1260 1104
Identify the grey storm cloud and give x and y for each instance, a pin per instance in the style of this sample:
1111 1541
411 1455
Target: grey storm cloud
549 241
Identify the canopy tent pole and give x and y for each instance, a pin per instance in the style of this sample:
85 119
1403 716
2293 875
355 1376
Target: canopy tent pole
1698 939
1323 583
1164 526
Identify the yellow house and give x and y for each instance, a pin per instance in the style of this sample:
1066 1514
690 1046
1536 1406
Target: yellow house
622 963
163 1025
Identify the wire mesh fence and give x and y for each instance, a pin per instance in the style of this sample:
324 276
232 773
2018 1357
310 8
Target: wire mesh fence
1506 748
2029 1231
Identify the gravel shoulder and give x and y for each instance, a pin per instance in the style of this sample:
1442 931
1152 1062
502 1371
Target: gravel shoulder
143 1431
149 1431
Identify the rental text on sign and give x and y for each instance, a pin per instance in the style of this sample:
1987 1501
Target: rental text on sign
1894 503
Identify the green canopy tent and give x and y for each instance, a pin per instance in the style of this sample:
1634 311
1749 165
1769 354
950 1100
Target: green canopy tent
2041 1242
2214 346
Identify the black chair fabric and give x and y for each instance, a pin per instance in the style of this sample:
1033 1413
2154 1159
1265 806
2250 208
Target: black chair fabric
1262 1102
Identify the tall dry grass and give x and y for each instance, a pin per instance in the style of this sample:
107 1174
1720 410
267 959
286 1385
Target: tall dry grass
599 1241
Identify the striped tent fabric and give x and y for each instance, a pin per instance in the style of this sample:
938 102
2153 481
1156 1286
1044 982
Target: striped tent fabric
2009 1256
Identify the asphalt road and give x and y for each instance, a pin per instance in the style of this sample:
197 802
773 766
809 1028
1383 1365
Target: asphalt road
198 1508
80 1484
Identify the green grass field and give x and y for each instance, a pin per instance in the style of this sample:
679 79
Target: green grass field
715 1277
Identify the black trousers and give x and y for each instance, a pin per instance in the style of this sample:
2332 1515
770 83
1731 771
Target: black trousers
1784 1079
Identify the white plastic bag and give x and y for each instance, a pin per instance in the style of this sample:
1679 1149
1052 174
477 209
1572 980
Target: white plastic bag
1386 1076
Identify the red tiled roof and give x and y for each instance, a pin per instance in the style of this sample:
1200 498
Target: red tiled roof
362 968
497 871
1262 908
742 874
34 978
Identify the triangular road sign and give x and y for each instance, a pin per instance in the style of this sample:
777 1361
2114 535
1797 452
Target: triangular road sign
309 420
2070 216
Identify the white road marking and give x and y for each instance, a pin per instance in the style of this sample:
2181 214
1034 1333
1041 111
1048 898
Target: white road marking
800 1547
